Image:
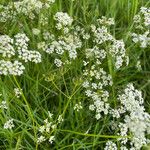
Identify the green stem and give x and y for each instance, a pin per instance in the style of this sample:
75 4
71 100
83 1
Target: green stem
59 89
95 135
111 71
26 102
69 99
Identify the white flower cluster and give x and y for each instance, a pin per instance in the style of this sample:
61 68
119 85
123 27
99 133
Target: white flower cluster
78 106
63 20
63 46
116 48
17 92
9 124
142 19
142 24
138 65
9 68
50 1
6 46
58 62
21 42
95 52
47 128
95 87
43 20
110 146
143 39
101 34
3 105
97 84
67 44
9 48
60 119
136 120
28 8
106 21
97 81
41 139
81 31
36 31
7 13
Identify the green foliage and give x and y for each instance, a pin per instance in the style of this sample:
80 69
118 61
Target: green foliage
63 89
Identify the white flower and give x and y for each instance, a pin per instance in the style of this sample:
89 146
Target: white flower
110 146
58 62
36 31
9 124
3 105
35 57
60 119
98 116
66 30
85 84
6 46
78 106
48 36
9 68
118 51
146 12
54 126
29 8
86 36
50 114
48 126
137 19
88 93
59 26
142 22
91 107
115 113
41 139
105 21
63 19
42 129
51 139
18 92
21 41
137 121
143 39
123 148
41 45
17 68
138 65
23 52
101 35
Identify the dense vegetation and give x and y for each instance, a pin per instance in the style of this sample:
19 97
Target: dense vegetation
74 74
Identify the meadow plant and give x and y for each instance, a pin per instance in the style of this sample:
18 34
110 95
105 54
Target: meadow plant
77 86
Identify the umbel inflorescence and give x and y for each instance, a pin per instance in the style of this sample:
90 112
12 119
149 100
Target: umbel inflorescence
13 52
98 82
141 36
63 48
103 56
27 8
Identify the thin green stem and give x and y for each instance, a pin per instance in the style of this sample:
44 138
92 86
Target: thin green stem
95 135
26 102
59 89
